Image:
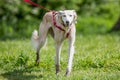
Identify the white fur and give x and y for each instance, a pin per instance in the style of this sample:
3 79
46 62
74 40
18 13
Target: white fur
59 36
35 39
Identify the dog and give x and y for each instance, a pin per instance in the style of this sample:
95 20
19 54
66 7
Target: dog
60 25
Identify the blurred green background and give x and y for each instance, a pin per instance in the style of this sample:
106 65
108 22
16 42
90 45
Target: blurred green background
18 19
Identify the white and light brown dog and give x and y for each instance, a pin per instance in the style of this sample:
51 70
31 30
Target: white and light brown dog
60 25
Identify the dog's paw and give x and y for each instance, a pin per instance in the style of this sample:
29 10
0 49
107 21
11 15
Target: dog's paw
67 72
37 63
57 69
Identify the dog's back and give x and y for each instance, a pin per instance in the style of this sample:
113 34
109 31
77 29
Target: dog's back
48 17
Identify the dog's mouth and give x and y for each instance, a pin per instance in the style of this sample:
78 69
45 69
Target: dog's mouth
67 24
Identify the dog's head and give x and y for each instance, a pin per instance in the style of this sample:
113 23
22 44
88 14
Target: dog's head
68 17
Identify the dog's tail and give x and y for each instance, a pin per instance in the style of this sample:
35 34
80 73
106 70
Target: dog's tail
35 39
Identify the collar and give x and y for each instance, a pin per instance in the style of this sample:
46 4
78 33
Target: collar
54 22
59 27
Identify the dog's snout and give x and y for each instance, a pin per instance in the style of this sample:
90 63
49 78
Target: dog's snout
67 22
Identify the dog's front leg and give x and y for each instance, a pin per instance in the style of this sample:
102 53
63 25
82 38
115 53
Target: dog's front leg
70 53
57 57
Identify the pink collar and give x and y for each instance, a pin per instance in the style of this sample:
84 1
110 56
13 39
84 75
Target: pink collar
59 27
54 22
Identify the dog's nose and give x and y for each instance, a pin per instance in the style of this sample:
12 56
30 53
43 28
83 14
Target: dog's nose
67 22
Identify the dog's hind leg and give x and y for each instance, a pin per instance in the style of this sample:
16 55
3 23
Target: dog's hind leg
40 45
43 31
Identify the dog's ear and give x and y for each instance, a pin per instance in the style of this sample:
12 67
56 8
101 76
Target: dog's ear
60 16
75 16
60 13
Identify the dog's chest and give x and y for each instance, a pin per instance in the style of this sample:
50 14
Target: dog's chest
59 35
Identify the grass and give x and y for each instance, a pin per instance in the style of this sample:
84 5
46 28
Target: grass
97 57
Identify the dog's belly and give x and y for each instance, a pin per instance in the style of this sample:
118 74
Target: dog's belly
51 32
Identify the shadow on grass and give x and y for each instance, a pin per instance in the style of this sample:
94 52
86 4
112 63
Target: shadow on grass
22 74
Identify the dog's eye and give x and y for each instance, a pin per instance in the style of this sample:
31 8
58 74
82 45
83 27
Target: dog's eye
64 15
70 15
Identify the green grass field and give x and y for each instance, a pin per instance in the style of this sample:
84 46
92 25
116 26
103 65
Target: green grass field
97 57
97 51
